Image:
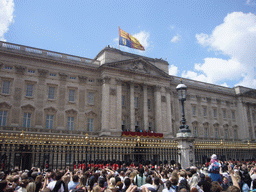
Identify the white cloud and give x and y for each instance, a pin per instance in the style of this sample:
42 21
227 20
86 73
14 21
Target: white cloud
143 38
224 84
176 38
172 26
235 38
251 2
173 70
6 16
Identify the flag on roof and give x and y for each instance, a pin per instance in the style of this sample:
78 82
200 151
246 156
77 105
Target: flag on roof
128 40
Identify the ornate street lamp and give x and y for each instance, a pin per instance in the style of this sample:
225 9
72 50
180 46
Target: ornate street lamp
182 91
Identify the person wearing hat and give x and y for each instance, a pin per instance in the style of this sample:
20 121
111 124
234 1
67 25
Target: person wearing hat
214 169
112 185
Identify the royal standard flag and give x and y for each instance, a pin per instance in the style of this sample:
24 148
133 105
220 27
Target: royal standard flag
127 40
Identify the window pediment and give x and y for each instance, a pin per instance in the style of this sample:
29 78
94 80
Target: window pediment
50 110
5 105
28 107
90 113
71 112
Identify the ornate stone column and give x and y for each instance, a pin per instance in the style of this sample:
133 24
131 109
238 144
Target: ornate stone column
145 107
62 102
105 107
158 111
41 92
169 112
243 131
17 96
132 109
119 104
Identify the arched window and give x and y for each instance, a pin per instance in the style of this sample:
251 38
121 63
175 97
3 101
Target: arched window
4 113
71 119
195 128
50 117
91 121
28 116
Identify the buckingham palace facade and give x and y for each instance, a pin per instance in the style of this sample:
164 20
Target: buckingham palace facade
55 94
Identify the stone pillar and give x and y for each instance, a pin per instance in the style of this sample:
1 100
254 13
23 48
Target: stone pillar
119 104
105 107
243 131
61 102
158 111
41 93
132 109
145 107
17 96
186 155
169 112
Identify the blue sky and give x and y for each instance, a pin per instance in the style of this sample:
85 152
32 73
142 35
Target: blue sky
212 41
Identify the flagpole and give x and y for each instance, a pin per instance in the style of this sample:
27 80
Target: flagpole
118 37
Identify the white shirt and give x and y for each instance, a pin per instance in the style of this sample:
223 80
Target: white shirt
52 184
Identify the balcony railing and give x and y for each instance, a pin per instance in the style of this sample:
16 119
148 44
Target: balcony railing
46 53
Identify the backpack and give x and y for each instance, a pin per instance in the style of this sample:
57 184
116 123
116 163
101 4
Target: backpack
78 189
58 186
214 167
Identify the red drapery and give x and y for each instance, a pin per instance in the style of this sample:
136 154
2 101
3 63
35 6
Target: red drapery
141 134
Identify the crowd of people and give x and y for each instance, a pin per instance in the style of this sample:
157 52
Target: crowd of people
214 176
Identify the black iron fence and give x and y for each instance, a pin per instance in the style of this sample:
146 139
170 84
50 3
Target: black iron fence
58 151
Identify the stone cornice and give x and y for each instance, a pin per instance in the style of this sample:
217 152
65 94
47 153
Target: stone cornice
63 76
167 78
106 79
42 72
82 79
20 69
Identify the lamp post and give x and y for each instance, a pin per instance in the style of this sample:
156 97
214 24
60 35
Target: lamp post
182 91
185 140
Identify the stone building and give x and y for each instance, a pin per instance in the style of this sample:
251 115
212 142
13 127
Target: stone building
43 91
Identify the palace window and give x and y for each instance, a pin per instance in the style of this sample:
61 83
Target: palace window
3 118
31 71
51 92
195 131
233 115
71 95
6 87
29 91
90 125
224 114
8 67
149 126
49 122
215 113
254 117
193 110
26 120
206 134
205 111
235 134
136 102
123 125
123 100
70 124
216 133
149 106
137 126
53 74
225 133
90 98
